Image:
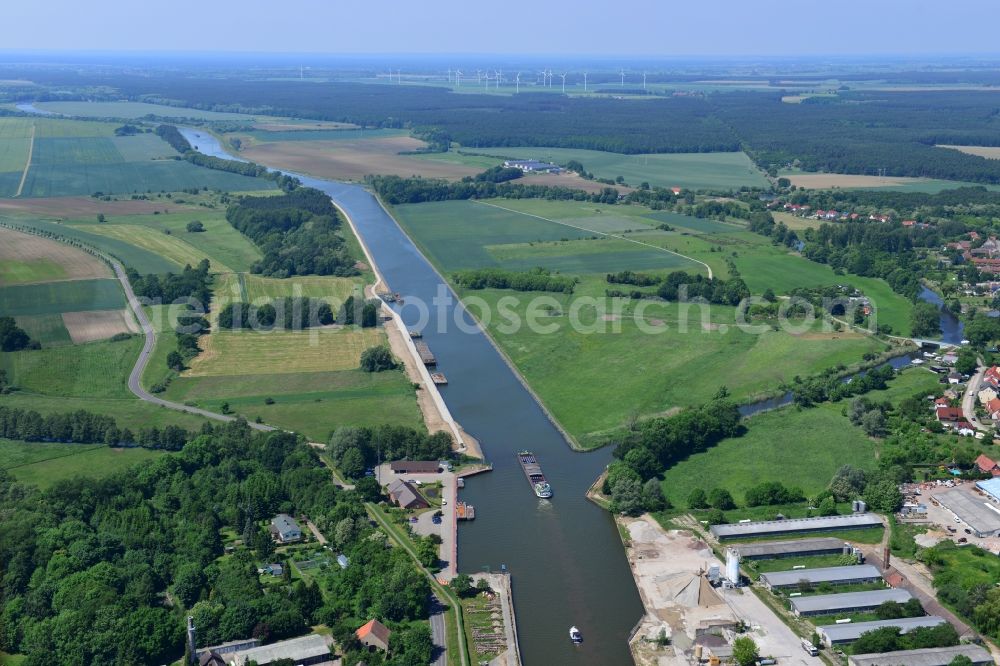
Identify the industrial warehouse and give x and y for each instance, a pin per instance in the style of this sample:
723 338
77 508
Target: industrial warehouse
849 575
848 602
973 509
941 656
798 548
765 528
838 634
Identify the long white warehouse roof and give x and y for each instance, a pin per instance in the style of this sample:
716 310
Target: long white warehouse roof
793 525
843 633
821 575
832 603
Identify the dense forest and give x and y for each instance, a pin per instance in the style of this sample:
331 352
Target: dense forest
191 283
298 233
397 190
104 571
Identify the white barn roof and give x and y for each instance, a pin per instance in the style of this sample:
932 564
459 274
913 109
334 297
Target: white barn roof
821 575
793 525
844 633
832 603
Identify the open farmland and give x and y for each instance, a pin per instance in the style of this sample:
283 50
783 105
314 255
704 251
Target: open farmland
825 181
15 139
131 255
59 297
26 259
989 152
690 171
98 324
174 248
353 159
167 235
133 110
458 235
94 370
251 352
72 157
593 377
45 463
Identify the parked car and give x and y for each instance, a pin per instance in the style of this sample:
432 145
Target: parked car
968 531
963 540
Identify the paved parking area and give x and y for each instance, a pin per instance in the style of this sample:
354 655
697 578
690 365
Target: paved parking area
425 525
940 518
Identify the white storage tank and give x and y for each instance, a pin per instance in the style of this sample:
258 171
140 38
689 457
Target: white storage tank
733 566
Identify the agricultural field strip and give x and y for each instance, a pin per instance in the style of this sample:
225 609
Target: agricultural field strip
609 235
27 164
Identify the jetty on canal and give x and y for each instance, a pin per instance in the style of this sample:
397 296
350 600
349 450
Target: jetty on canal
425 352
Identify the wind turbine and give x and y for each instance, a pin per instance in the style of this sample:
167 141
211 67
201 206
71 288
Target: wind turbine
644 81
458 78
479 76
399 77
622 72
563 83
585 82
487 79
517 83
499 73
449 75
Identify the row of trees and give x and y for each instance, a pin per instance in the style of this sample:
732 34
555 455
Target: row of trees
355 449
289 313
680 285
398 190
83 427
538 279
191 283
298 233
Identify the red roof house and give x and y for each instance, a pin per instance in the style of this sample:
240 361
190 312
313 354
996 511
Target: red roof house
375 634
992 377
941 402
949 414
987 465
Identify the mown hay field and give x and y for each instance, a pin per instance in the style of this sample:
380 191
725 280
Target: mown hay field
252 352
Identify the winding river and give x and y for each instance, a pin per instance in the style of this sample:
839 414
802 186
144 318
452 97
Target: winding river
567 563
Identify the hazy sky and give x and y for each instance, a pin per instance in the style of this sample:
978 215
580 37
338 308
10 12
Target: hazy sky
621 27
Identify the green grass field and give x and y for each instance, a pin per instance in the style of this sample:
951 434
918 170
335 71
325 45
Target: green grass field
458 235
57 297
48 329
593 381
133 110
797 447
322 135
92 370
74 157
313 403
692 171
13 271
46 463
225 247
142 260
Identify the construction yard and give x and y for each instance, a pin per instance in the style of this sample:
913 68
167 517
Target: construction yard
681 606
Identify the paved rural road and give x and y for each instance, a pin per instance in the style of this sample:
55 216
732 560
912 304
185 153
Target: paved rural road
135 378
438 633
969 399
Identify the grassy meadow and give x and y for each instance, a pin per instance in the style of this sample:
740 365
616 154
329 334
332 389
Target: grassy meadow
800 447
46 463
691 171
56 297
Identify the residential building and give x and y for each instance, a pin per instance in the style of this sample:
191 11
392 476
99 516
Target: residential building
284 529
405 495
987 465
949 414
987 395
992 377
374 634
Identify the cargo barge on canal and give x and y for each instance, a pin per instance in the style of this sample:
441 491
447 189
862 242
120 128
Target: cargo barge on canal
533 471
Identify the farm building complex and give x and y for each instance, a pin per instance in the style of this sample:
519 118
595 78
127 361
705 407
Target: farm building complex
532 166
848 602
796 526
850 575
941 656
838 634
311 649
798 548
974 510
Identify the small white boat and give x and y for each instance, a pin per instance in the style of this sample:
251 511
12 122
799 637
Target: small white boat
575 635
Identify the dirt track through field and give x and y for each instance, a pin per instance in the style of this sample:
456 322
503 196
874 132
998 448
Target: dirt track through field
601 233
27 164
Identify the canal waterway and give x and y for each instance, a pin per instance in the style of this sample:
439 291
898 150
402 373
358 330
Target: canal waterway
566 559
